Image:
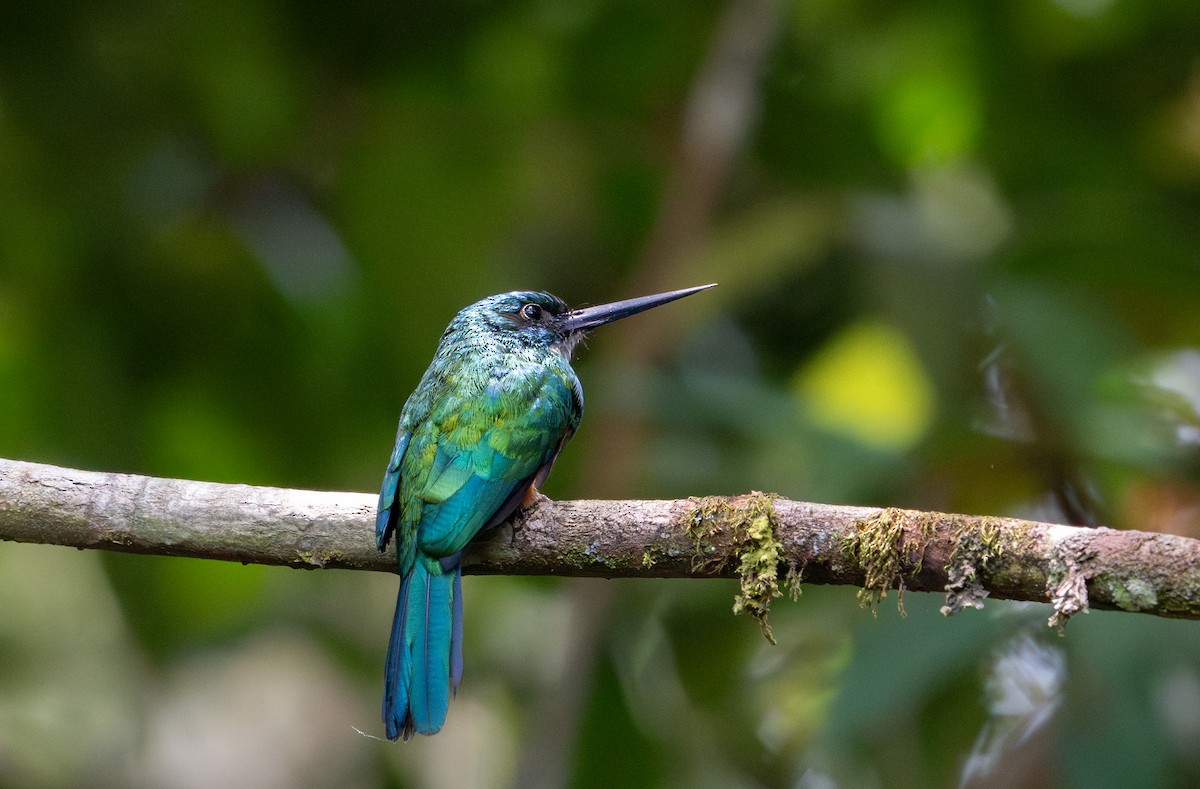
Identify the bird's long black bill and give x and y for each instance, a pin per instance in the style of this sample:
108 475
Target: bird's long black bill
591 317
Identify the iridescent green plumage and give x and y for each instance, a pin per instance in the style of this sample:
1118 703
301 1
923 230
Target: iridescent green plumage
480 432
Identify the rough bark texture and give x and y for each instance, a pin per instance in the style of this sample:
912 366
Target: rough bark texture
765 541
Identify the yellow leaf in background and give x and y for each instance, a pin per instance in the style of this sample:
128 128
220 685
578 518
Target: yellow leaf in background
868 383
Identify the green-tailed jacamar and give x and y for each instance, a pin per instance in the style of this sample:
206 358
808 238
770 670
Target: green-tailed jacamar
476 438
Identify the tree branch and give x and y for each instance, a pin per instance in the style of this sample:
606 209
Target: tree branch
765 541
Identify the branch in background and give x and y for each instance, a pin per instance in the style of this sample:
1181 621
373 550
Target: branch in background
754 538
720 115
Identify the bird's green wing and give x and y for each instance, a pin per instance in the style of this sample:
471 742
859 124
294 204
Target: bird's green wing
487 454
385 515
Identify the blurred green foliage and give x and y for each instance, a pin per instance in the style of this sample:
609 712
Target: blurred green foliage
959 259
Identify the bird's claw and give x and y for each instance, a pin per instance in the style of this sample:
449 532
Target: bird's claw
534 499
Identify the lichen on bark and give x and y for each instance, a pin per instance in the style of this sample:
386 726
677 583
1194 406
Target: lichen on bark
977 547
1066 583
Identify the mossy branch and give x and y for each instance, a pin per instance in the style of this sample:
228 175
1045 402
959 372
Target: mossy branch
754 537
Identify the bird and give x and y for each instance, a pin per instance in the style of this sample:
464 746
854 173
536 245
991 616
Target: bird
476 440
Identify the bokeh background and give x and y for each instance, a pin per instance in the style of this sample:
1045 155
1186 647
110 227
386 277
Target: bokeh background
959 254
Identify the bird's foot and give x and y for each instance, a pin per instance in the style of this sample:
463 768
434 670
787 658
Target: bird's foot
532 500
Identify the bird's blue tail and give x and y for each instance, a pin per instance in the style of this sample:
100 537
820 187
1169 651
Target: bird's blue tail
424 660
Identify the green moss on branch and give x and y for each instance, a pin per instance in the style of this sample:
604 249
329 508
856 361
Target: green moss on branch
750 528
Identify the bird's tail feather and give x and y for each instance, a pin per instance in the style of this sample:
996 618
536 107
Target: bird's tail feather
456 634
425 652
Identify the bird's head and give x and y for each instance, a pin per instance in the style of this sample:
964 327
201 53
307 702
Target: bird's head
541 320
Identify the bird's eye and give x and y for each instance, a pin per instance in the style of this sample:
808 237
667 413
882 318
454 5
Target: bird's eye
531 312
